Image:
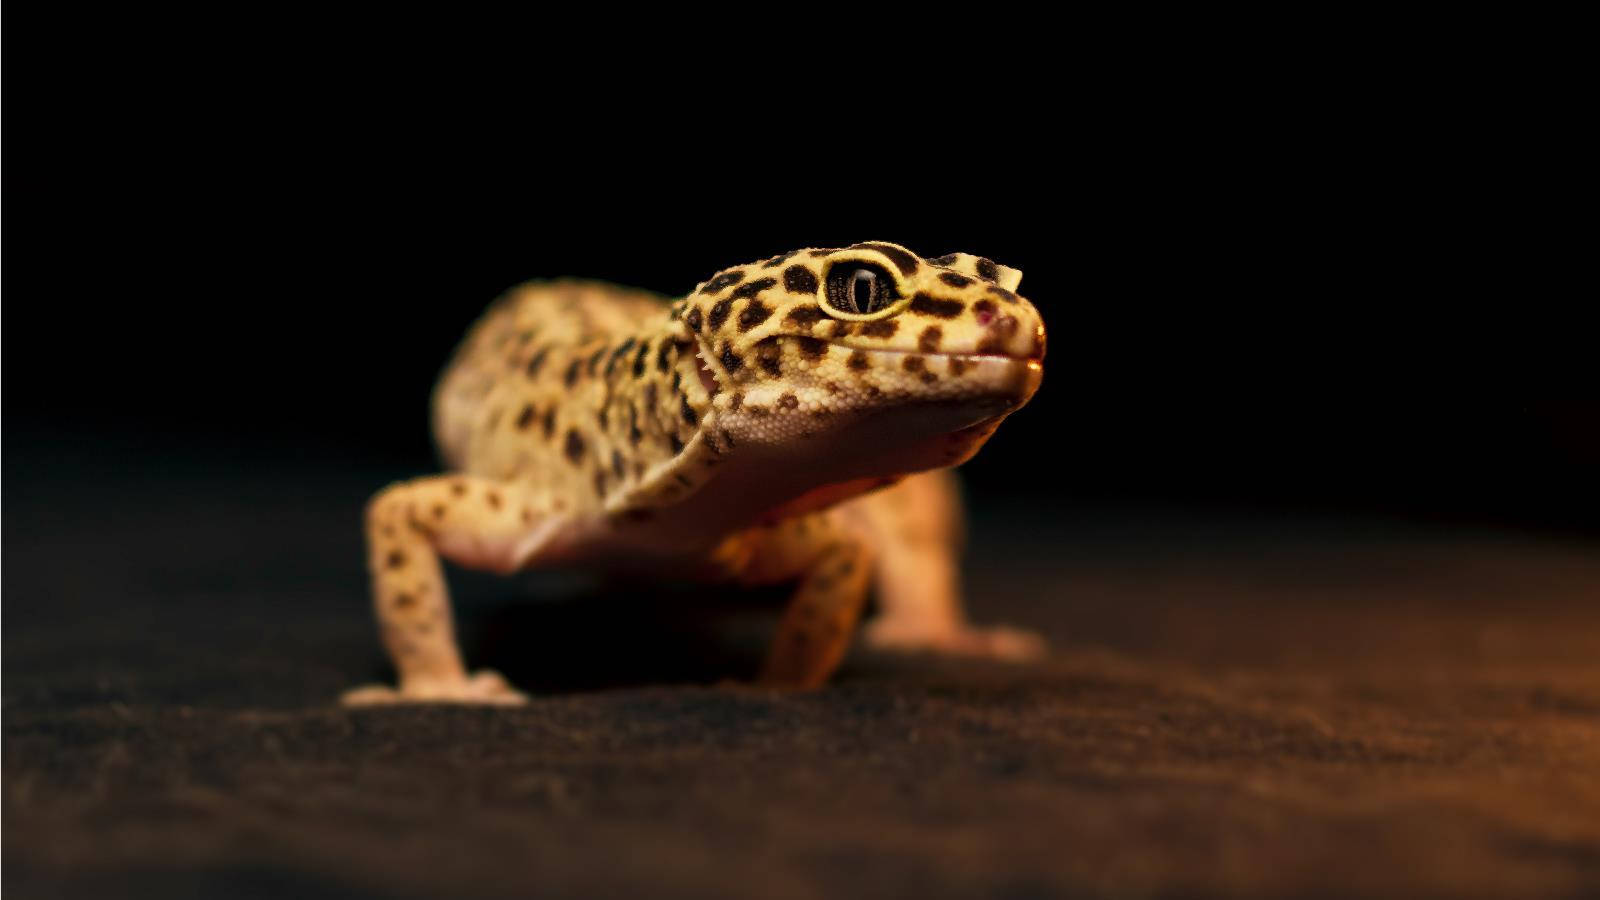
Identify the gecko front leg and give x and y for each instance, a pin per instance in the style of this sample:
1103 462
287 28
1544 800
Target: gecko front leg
835 568
471 521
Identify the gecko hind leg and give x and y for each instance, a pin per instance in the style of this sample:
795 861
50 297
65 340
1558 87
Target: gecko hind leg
474 522
916 527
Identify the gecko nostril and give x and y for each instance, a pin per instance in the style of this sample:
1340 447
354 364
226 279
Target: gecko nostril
984 313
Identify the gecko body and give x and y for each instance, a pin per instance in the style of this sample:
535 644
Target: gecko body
792 419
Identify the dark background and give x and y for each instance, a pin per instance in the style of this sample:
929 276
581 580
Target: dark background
1272 300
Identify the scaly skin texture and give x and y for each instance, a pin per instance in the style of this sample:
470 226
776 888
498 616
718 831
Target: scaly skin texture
790 419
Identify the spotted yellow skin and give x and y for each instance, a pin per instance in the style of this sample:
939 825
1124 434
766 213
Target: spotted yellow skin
751 431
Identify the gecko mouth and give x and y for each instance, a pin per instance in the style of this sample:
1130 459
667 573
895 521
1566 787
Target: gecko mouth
711 377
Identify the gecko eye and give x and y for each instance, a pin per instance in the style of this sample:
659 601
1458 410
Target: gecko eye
860 288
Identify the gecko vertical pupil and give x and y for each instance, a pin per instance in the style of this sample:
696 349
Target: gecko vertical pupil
860 288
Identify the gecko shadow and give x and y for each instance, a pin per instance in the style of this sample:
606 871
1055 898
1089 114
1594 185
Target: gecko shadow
621 635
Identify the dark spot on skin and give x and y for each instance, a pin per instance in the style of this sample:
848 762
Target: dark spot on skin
549 423
494 500
634 434
832 388
525 418
574 448
768 355
404 601
571 377
914 363
736 401
457 489
957 366
954 280
719 313
949 259
536 362
617 354
818 254
880 328
928 341
984 311
843 329
675 444
987 270
677 381
905 261
600 484
638 361
800 280
753 288
804 316
728 438
687 411
693 319
664 356
438 511
757 411
1000 334
616 463
594 361
788 401
730 359
527 516
395 560
1003 294
858 361
812 348
937 307
651 395
754 314
779 260
722 281
604 418
683 481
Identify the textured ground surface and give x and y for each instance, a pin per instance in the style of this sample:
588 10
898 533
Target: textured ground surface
1239 707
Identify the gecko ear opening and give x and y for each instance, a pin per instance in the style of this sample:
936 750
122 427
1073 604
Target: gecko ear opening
708 378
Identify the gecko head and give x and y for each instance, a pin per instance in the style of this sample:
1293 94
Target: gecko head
868 357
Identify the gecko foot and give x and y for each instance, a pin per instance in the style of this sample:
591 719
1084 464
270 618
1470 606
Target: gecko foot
994 642
483 687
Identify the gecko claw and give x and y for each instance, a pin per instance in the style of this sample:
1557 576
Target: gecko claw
995 642
485 687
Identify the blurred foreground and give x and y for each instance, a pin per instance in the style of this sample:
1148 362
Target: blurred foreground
1237 705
